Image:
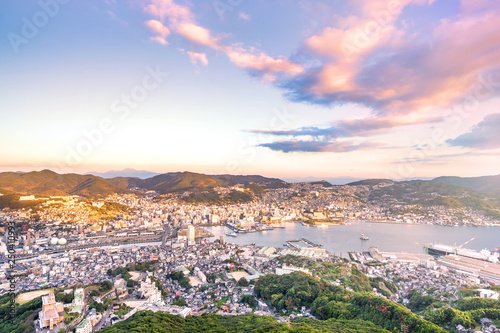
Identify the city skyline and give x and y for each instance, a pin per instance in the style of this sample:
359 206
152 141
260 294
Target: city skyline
377 89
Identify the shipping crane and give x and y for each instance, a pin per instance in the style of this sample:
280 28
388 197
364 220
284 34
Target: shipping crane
470 240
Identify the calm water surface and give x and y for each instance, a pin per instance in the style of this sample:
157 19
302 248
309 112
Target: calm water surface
386 236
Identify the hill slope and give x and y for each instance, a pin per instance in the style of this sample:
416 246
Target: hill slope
46 182
245 180
147 321
189 181
179 181
429 194
489 184
370 182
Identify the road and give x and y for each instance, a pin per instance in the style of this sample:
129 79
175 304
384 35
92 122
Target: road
104 319
167 234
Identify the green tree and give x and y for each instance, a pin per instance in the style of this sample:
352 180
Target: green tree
179 301
419 302
242 282
106 286
131 283
248 299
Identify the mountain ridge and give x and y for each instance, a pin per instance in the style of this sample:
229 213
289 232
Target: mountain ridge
50 183
486 184
127 172
47 182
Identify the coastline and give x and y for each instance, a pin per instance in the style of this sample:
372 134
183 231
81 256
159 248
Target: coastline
387 221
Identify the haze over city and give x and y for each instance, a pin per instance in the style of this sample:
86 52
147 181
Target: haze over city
365 89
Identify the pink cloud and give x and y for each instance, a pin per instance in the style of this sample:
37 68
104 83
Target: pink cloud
366 59
461 51
370 58
261 62
244 16
198 57
180 20
168 9
471 6
160 30
197 34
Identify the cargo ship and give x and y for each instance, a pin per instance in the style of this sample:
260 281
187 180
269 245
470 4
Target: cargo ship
443 250
440 249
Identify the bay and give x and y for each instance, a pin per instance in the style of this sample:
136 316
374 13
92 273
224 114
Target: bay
388 237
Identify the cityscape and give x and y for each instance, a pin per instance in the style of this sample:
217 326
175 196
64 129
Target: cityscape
97 261
184 166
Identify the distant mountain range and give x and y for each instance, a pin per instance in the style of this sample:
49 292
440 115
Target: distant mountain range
46 182
371 182
485 184
333 181
488 184
245 180
404 195
187 181
344 180
142 174
177 181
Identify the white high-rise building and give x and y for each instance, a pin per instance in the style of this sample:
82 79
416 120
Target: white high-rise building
191 234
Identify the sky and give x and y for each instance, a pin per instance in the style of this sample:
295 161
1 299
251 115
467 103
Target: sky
306 88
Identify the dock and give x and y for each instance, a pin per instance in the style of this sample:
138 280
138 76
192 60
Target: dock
311 243
292 245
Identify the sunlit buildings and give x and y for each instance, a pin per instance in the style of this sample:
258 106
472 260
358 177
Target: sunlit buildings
52 312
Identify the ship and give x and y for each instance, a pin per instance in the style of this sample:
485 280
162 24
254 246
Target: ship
363 237
440 249
443 250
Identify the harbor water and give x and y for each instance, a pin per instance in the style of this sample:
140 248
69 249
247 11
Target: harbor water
388 237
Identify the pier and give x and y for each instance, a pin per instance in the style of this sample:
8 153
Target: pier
291 244
311 243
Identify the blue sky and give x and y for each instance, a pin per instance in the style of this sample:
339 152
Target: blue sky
279 88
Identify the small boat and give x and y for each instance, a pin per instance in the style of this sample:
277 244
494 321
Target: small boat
363 237
323 226
232 234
